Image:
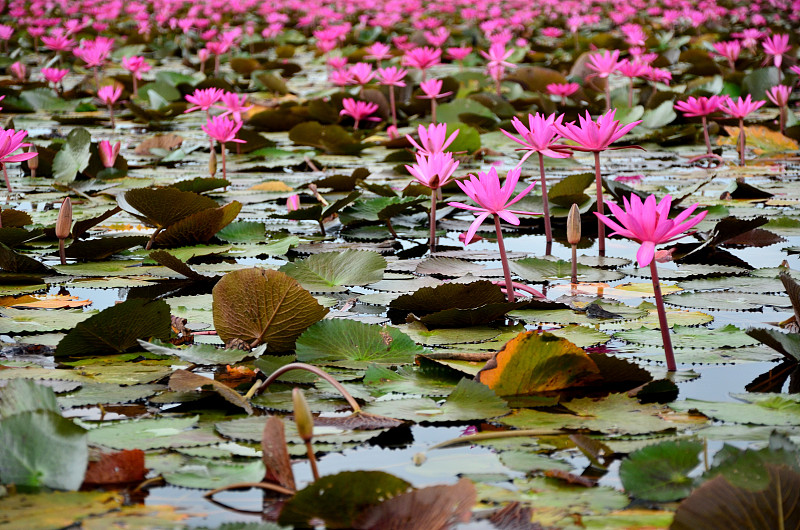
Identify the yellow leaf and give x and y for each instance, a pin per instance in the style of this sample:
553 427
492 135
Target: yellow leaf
760 139
51 301
272 185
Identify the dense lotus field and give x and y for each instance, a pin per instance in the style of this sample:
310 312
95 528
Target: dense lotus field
399 265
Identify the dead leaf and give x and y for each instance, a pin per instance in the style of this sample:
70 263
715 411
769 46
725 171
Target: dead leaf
275 455
121 467
760 139
52 301
272 185
167 142
185 381
431 508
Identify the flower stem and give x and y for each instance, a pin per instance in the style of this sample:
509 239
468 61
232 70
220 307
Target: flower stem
433 110
111 115
312 459
782 120
705 134
393 105
742 141
662 318
504 259
224 172
630 94
601 228
432 240
62 252
5 176
547 230
574 276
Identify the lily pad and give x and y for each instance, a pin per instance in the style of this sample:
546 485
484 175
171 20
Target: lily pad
331 271
545 270
660 472
691 337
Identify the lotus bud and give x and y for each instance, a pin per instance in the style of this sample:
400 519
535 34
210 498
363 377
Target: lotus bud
212 163
302 416
64 221
293 203
63 227
574 225
33 163
108 153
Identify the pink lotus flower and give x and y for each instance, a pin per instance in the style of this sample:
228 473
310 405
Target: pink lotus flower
541 138
433 171
552 32
10 141
775 46
340 78
740 109
433 138
459 54
233 105
562 90
54 75
293 202
779 95
422 58
337 63
136 65
19 70
378 52
604 63
92 53
58 43
495 200
649 224
358 110
596 137
108 153
109 94
362 73
729 50
392 76
203 98
702 106
432 88
223 130
438 37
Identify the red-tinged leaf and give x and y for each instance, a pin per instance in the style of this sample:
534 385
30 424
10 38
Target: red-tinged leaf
185 381
275 454
122 467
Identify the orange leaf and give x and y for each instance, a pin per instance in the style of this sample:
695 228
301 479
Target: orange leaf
52 301
116 468
761 139
272 185
533 362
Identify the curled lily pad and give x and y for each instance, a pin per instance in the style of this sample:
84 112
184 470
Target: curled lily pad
331 271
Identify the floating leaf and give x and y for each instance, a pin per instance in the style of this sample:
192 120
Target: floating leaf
331 271
185 381
107 394
333 139
121 467
432 508
153 433
243 232
718 504
449 296
761 139
205 474
660 472
24 395
257 306
727 300
534 362
768 409
786 343
56 509
691 337
469 400
544 270
340 499
41 448
117 328
570 190
102 248
201 184
14 262
352 343
203 354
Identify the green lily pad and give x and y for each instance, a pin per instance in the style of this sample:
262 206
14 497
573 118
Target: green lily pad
117 328
691 337
331 271
660 472
727 300
469 400
767 409
355 344
545 270
205 474
380 379
148 434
